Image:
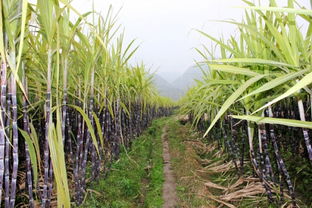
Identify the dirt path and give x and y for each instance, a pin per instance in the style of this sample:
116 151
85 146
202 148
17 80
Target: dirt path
169 188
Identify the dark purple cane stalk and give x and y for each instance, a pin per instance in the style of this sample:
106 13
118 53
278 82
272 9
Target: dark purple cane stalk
65 117
86 151
103 126
256 166
46 179
107 134
127 127
267 170
231 142
77 158
114 136
280 162
15 142
94 159
305 131
81 157
69 138
98 156
117 129
242 158
7 148
131 125
2 122
94 154
50 186
79 153
28 162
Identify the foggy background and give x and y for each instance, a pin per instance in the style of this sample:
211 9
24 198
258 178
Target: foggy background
164 29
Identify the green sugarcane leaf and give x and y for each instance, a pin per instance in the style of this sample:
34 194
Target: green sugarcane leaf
223 45
221 82
283 42
34 137
58 161
2 49
15 66
99 129
233 69
58 141
232 100
32 154
23 26
276 82
279 121
279 9
305 81
252 61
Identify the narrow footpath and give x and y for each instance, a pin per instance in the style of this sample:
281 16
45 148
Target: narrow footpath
171 166
169 187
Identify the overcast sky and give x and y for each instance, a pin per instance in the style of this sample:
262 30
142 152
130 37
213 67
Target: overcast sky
164 29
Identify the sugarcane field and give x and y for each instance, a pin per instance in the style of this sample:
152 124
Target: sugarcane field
156 104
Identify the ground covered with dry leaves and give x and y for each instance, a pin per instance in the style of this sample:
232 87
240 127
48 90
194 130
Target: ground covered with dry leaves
206 178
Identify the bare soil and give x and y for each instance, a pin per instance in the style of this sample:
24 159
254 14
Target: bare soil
169 187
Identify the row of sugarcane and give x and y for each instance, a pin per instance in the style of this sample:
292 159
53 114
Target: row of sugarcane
69 100
256 95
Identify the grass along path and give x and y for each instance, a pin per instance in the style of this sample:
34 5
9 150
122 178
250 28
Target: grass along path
136 179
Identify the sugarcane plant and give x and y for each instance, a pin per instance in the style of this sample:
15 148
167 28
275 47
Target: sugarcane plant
70 99
262 76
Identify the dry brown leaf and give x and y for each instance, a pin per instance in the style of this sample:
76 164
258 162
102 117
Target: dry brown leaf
216 186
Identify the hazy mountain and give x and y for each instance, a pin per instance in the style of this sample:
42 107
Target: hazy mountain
179 87
187 79
165 88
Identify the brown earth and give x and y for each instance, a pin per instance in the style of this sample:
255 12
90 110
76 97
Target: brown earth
169 187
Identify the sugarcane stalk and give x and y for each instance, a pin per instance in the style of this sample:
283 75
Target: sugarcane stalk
15 142
88 136
305 131
243 131
280 162
267 161
94 172
69 132
48 118
92 146
77 158
251 149
232 143
3 122
50 184
117 129
28 162
79 153
85 152
103 126
8 144
64 107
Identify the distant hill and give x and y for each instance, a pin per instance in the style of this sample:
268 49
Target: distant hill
180 86
165 88
187 79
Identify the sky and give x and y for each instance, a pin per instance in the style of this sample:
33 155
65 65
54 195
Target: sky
165 30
